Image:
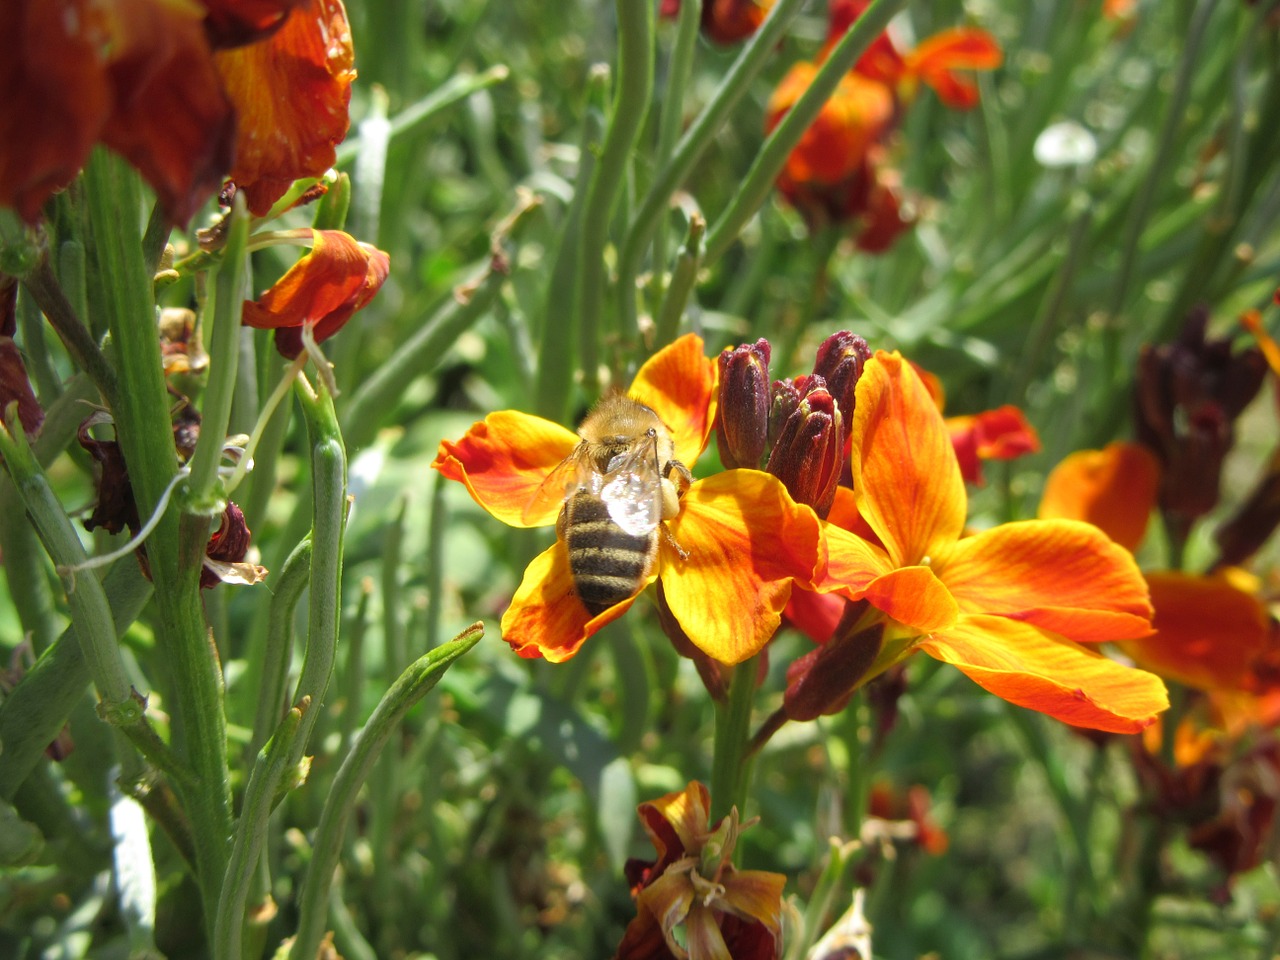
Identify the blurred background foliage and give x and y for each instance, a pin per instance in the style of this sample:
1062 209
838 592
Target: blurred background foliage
497 824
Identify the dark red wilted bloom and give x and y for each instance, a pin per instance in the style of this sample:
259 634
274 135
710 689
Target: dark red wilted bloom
809 452
692 903
224 556
1187 398
839 362
742 426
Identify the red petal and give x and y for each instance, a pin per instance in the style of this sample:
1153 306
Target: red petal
233 23
960 48
291 94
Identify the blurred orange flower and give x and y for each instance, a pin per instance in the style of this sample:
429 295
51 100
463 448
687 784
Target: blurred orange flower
692 903
321 291
744 540
156 81
1007 605
1000 434
725 21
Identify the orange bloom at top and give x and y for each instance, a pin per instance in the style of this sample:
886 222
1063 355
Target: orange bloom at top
727 558
158 82
1007 606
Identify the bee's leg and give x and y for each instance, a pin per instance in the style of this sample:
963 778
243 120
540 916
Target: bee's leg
683 479
561 520
666 533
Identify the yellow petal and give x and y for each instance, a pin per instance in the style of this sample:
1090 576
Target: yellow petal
679 384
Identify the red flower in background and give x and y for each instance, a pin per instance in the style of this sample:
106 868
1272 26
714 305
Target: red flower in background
148 79
725 21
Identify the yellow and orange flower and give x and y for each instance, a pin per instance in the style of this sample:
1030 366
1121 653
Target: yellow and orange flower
321 291
692 902
158 82
1007 606
745 541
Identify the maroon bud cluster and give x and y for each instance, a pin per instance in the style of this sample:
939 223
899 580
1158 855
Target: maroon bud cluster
839 362
743 425
809 452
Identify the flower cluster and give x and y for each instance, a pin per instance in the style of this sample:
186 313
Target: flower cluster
840 171
887 548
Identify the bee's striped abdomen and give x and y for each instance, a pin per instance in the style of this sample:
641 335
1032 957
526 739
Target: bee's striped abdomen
607 563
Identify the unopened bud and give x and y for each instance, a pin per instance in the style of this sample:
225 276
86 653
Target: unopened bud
840 361
821 682
742 424
809 452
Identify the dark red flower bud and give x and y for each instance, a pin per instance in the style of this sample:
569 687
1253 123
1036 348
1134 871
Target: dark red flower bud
840 361
1188 396
742 423
809 452
821 682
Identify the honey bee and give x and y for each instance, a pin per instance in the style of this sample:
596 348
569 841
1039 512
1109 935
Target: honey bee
617 486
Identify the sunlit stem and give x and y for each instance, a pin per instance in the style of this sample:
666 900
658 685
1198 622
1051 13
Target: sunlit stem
731 766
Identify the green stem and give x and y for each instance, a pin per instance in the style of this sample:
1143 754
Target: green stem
79 343
759 51
670 121
683 279
329 512
271 677
554 376
226 296
251 833
731 766
411 687
175 552
630 106
779 144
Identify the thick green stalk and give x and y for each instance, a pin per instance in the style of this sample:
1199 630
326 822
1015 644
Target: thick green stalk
683 279
630 106
731 764
175 551
779 144
760 50
268 671
411 687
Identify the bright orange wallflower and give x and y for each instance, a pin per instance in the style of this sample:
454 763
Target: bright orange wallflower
745 540
321 291
1007 605
158 82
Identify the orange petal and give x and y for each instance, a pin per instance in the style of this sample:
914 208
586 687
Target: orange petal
853 562
904 469
1114 489
755 895
503 460
684 812
291 94
1061 575
546 619
232 23
1037 670
324 288
1209 633
960 48
746 540
914 597
679 384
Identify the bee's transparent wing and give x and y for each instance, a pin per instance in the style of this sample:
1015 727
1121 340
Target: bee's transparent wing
572 474
633 490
